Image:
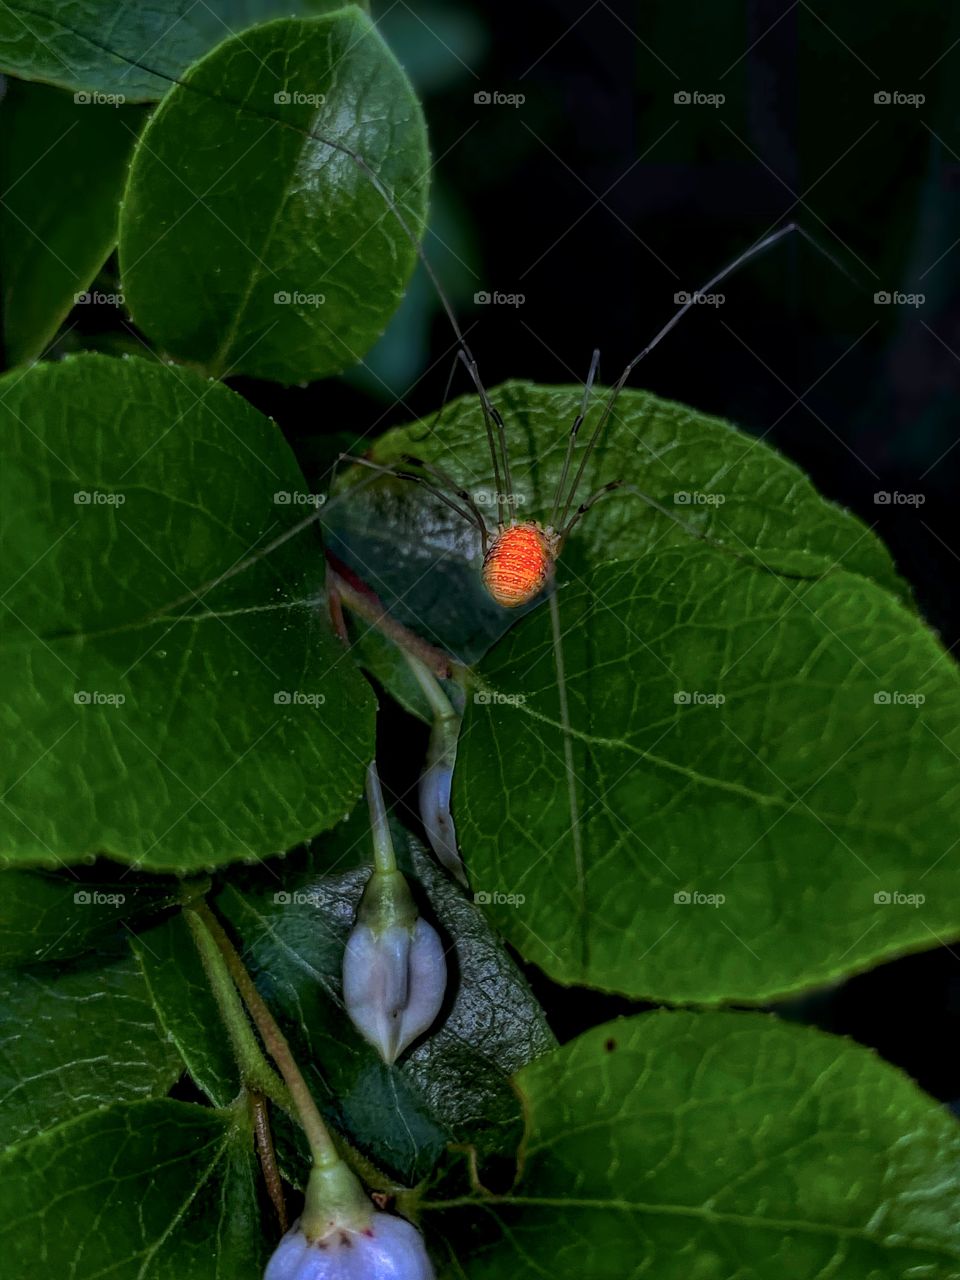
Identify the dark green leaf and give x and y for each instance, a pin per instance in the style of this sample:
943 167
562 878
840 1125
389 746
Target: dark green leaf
186 1008
712 1146
715 850
154 1190
50 917
74 1040
743 495
62 166
136 50
163 712
247 243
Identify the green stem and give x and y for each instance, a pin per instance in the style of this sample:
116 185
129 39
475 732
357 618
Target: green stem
433 692
321 1144
384 858
255 1071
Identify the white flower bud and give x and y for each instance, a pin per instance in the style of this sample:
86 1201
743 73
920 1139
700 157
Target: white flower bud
389 1248
393 983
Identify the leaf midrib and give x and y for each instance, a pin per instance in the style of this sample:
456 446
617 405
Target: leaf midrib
697 1212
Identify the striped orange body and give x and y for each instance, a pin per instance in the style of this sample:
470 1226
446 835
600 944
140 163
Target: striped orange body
518 563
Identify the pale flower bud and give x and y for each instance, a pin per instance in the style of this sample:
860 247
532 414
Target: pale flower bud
340 1236
388 1249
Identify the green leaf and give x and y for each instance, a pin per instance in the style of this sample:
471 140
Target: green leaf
47 917
424 561
165 713
74 1040
707 1146
156 1190
135 51
826 777
453 1085
249 245
62 166
186 1008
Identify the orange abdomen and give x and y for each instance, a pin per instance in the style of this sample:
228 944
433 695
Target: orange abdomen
517 565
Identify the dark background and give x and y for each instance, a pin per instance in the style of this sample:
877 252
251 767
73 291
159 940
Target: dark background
600 197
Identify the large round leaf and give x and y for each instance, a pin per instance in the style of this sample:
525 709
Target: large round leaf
157 708
758 791
62 167
133 50
710 478
714 1146
247 243
159 1190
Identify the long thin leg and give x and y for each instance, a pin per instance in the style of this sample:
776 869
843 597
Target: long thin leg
431 488
573 799
465 496
491 417
760 246
488 422
614 485
572 438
